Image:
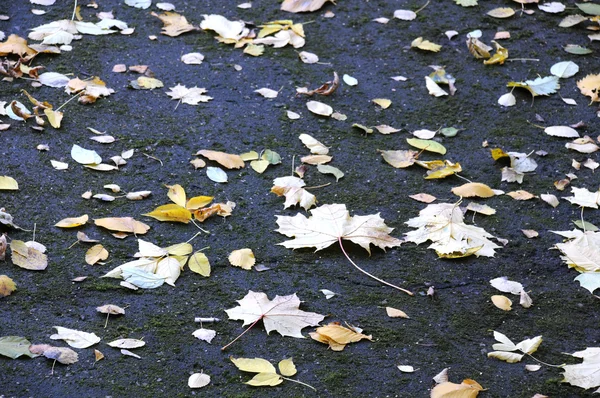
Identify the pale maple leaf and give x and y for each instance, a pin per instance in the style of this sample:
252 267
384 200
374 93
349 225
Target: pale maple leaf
586 374
581 250
281 314
443 225
191 96
65 31
332 223
584 197
292 188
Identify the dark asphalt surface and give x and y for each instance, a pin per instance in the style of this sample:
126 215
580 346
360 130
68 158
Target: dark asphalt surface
453 329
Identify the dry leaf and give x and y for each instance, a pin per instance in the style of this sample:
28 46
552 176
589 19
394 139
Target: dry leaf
191 96
315 146
7 286
586 374
192 58
198 380
423 197
319 108
243 258
422 44
473 189
280 314
96 253
467 389
502 302
530 233
589 86
395 313
384 103
292 188
204 334
227 160
267 92
520 195
296 6
72 222
8 183
75 338
175 24
400 159
127 343
27 255
337 336
122 224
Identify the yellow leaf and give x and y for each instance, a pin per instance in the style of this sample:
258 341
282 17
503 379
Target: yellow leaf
254 365
425 45
265 379
510 357
427 145
395 313
498 153
254 50
98 355
243 258
96 253
502 302
122 224
467 389
31 259
8 183
444 170
383 102
7 286
589 86
179 249
177 194
287 367
54 117
302 5
316 159
499 57
198 202
341 334
259 165
501 12
520 195
459 254
175 24
72 222
473 189
224 159
199 264
171 212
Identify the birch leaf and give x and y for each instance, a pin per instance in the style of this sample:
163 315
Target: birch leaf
7 287
96 253
540 86
319 108
243 258
426 45
72 222
564 69
199 264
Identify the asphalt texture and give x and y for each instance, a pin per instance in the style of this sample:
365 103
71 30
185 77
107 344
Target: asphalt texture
452 329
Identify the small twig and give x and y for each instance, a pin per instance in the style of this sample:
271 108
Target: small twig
370 275
152 157
422 8
243 333
318 186
523 59
206 320
69 100
299 382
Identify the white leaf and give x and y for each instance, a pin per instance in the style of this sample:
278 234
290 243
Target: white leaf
205 334
328 293
319 108
267 92
506 286
143 4
569 101
550 199
553 7
308 58
349 80
424 134
198 380
53 79
127 343
433 87
510 357
130 354
561 131
192 58
165 6
59 165
406 368
141 278
507 99
75 338
292 115
216 174
84 156
564 69
405 15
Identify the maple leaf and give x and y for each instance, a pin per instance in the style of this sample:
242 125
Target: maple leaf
191 96
65 31
586 374
175 24
589 86
581 250
332 223
443 225
292 188
281 314
584 198
15 45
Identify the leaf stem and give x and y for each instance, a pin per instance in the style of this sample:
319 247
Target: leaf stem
69 100
106 323
422 8
318 186
544 363
299 382
370 275
464 178
74 11
243 333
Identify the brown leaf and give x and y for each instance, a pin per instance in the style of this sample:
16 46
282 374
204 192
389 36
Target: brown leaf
227 160
327 88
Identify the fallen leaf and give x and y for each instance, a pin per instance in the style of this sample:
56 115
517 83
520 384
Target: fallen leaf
7 287
199 264
540 86
428 145
423 197
308 58
26 255
267 92
292 188
505 349
561 131
96 253
443 225
198 380
72 222
423 44
204 334
589 86
319 108
216 174
501 12
467 389
405 15
395 313
473 189
281 314
243 258
384 103
191 96
8 183
314 145
75 338
401 158
296 6
502 302
564 69
192 58
521 195
127 343
122 224
337 336
175 24
227 160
